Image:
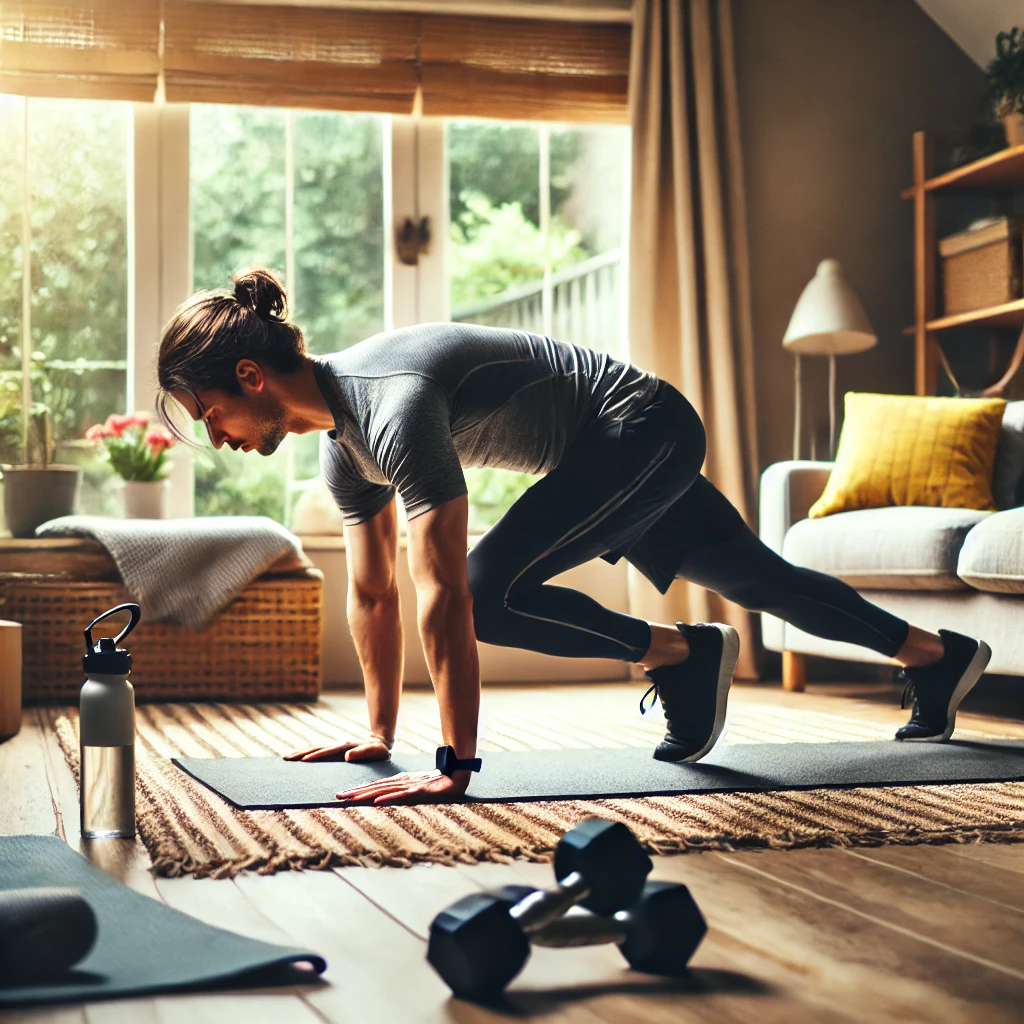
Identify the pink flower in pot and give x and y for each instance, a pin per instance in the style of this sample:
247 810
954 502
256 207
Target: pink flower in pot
115 425
97 432
159 440
135 450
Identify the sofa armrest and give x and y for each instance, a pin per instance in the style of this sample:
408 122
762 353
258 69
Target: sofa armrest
788 490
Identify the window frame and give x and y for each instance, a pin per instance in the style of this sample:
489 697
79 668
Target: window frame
160 256
416 186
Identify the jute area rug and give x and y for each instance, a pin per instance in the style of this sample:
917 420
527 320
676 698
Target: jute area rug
188 829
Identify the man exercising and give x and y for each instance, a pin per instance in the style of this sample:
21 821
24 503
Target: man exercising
620 452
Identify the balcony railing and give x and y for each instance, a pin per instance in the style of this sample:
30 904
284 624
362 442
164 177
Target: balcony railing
585 305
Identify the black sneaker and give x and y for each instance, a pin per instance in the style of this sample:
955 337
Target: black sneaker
937 689
694 693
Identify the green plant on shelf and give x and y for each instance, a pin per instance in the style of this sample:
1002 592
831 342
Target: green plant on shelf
25 436
1006 74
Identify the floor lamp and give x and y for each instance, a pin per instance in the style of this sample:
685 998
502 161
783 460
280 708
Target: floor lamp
828 320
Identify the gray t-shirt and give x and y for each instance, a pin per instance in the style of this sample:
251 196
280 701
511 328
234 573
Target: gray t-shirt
412 407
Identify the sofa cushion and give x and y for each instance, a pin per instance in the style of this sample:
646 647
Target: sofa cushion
1008 473
992 557
911 450
897 548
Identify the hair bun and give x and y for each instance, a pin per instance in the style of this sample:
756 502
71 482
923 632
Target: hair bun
260 291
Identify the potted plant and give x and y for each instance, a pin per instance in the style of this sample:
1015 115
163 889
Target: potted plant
137 453
1006 84
36 490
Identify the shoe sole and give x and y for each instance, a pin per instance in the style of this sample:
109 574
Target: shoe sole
726 670
971 675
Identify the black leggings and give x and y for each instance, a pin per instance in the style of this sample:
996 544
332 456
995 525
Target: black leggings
634 489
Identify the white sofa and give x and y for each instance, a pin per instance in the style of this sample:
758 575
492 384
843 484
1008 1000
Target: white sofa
936 567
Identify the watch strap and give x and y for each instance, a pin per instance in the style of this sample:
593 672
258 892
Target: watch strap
446 762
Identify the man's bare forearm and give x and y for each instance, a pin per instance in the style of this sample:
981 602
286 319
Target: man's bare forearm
376 625
449 643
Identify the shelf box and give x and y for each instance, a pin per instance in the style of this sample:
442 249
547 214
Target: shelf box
981 268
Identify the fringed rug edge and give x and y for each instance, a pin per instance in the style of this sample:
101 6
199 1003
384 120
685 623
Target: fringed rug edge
169 867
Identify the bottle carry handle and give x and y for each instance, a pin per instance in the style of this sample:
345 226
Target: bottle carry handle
133 609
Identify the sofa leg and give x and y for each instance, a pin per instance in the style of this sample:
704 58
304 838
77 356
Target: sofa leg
794 671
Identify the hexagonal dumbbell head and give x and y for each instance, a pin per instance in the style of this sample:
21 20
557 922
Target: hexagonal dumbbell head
609 857
475 946
666 927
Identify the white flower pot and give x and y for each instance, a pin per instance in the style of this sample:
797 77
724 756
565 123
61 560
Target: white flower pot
146 499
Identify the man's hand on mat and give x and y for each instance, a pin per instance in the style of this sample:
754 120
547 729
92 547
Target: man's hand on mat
372 749
410 788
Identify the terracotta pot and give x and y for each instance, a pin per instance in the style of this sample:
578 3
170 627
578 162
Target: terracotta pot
35 494
146 499
1013 125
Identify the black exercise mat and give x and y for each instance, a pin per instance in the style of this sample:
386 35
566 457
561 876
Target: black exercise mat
271 783
142 946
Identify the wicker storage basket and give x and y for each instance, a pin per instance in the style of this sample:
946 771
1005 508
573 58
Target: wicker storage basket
264 646
981 268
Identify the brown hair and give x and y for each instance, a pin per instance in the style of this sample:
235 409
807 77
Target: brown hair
210 332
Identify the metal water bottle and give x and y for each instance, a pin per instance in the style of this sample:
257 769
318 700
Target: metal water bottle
107 734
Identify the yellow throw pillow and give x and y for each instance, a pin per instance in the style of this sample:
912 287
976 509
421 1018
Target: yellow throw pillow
905 450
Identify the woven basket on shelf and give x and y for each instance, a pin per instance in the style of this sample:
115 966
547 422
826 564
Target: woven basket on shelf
265 645
981 267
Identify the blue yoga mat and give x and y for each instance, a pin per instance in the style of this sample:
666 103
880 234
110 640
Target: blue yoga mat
270 783
142 946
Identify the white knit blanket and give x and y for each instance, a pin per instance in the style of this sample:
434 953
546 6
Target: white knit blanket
183 570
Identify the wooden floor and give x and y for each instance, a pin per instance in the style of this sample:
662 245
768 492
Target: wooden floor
893 934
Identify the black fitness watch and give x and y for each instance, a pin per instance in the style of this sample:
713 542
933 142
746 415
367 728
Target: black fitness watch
447 762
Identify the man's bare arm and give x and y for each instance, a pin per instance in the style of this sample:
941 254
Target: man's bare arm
375 620
437 561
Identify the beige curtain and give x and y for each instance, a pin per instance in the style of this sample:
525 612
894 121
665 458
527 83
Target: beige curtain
689 290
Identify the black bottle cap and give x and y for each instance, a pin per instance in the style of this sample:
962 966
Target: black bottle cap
106 658
103 656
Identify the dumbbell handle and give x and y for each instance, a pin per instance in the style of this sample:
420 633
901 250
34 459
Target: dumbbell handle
541 907
584 929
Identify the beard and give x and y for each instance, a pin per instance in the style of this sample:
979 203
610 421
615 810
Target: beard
270 427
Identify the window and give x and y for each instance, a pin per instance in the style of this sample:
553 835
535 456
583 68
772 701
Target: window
302 193
528 230
66 168
535 236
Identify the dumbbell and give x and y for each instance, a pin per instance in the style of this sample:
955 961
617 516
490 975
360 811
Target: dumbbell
480 943
43 932
657 935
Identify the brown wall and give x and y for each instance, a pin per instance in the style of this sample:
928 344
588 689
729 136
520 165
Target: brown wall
830 92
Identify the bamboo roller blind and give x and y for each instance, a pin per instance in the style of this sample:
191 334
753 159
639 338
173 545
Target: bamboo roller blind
93 49
340 59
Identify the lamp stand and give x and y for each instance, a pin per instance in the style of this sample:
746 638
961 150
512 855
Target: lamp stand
798 406
797 411
831 406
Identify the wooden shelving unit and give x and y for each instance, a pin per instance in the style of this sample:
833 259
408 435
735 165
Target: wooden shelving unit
1000 173
1010 314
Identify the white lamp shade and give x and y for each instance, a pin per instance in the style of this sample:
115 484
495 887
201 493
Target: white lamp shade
829 319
